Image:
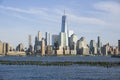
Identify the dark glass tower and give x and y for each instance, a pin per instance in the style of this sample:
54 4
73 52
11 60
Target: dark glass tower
64 24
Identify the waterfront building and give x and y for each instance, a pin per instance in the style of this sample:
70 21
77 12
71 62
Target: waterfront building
73 41
48 38
119 46
20 47
93 47
59 51
38 43
43 48
39 36
64 32
63 41
66 50
99 45
49 50
1 48
82 47
55 40
30 47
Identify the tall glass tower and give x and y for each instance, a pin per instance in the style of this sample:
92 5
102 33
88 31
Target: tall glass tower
64 32
64 24
99 45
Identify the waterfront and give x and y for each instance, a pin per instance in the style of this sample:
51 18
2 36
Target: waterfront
71 72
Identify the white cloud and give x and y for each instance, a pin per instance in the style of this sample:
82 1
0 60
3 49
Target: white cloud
86 20
109 7
46 14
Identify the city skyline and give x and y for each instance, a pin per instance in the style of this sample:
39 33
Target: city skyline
89 19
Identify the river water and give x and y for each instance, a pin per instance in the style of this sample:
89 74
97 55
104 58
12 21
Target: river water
73 72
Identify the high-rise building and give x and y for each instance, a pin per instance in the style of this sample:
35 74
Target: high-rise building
5 48
48 38
99 45
63 41
82 47
30 47
1 48
73 41
119 46
43 48
39 36
55 40
93 47
64 24
20 47
64 31
30 41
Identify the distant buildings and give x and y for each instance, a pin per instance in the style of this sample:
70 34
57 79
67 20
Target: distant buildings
4 48
30 47
64 32
20 47
48 38
99 45
93 47
119 46
64 43
82 47
1 48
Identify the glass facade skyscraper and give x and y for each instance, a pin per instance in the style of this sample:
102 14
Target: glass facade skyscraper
64 32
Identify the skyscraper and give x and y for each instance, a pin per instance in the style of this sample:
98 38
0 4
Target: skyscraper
119 46
93 47
30 41
30 47
39 36
48 38
99 45
64 31
64 24
1 48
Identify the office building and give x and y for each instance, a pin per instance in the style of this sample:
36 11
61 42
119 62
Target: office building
82 47
64 31
20 47
1 48
93 47
55 40
43 48
99 45
73 41
6 48
39 36
63 39
30 47
48 38
119 46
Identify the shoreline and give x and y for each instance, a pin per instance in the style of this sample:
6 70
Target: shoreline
60 63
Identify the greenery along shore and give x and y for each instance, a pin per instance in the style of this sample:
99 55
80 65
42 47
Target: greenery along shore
65 63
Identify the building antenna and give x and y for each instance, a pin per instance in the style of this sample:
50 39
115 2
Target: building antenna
64 11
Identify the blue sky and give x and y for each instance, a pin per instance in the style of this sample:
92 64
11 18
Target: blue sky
88 18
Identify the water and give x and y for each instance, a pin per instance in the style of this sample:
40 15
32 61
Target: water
61 58
26 72
73 72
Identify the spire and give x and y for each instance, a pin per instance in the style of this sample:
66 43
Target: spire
64 11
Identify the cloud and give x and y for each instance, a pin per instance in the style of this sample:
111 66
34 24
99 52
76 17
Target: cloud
86 20
108 7
37 11
44 14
